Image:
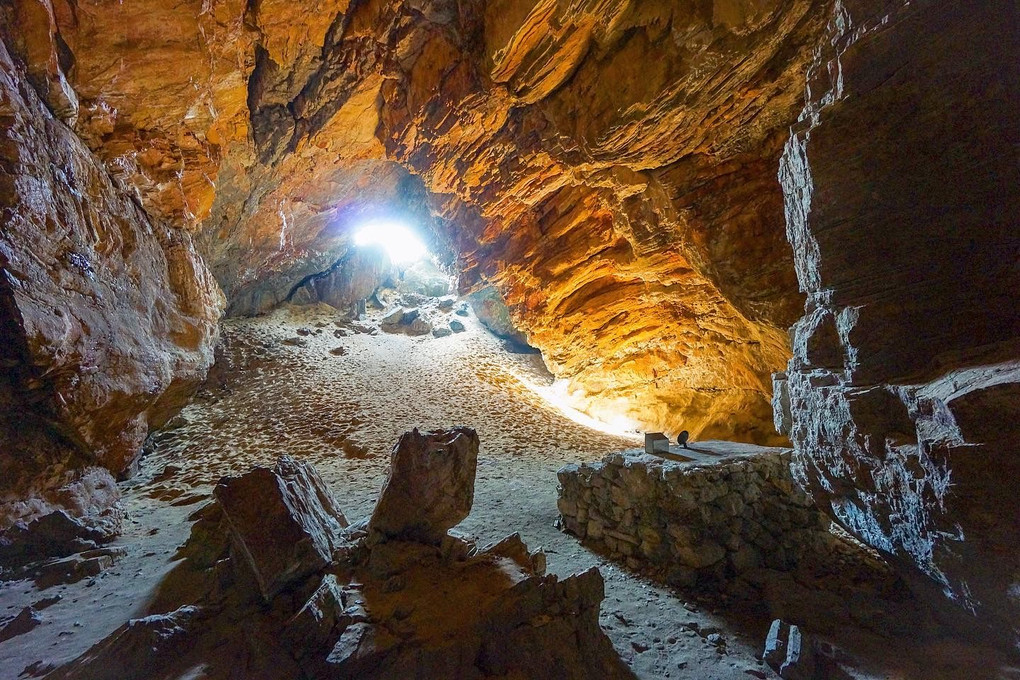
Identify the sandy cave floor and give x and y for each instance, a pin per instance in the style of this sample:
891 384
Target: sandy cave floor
343 411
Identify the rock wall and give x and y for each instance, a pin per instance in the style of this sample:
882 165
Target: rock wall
108 318
692 523
609 167
902 198
352 279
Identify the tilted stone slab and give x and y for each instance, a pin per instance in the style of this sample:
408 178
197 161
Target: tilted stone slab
284 521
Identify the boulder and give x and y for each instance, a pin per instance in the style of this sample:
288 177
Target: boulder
490 309
419 327
350 280
56 534
284 521
424 278
392 318
430 486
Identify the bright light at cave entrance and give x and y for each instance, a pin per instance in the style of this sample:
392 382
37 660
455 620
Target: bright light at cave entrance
396 238
558 394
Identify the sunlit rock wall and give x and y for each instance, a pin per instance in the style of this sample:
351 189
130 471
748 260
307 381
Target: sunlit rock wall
902 194
608 166
107 318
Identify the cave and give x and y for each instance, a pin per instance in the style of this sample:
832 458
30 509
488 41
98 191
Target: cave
509 339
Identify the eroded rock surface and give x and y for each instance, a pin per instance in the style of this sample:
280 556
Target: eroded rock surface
901 397
284 522
608 167
395 608
430 485
108 317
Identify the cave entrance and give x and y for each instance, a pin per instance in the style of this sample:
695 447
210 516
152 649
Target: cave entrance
397 238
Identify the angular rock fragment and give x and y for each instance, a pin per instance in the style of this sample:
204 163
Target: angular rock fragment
514 548
141 648
775 643
430 487
74 568
322 614
27 619
789 652
56 534
284 521
419 327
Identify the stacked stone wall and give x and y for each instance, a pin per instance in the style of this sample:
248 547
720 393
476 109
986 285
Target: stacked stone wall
692 523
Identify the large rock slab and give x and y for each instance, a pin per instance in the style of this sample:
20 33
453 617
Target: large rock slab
108 317
349 281
430 486
902 208
284 522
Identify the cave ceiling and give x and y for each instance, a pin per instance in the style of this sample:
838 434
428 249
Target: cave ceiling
608 165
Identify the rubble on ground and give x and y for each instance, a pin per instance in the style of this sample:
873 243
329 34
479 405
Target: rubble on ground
275 583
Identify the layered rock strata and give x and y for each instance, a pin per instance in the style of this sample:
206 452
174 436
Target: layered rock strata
108 317
355 601
902 204
693 523
608 167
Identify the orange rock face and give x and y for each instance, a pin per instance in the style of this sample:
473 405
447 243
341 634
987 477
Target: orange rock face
108 319
609 166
